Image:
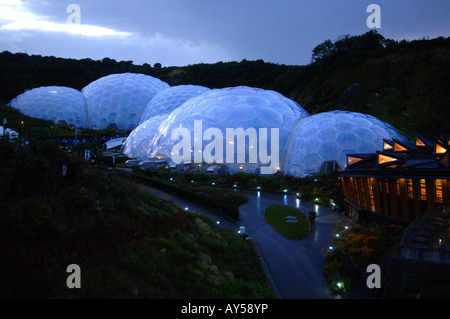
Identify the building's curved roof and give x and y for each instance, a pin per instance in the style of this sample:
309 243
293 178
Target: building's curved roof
235 107
119 99
140 139
330 136
169 99
55 103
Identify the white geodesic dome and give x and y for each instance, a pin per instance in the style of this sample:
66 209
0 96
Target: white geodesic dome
55 103
252 110
327 138
169 99
119 99
9 133
140 139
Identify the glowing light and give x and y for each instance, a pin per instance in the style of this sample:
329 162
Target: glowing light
385 159
352 160
398 147
440 149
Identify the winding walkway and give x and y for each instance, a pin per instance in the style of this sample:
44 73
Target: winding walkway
294 265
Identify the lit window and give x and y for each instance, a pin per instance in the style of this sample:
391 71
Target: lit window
387 146
385 159
398 147
439 197
409 186
423 189
352 159
372 201
439 149
419 142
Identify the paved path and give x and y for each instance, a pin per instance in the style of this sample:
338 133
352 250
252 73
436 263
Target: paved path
294 265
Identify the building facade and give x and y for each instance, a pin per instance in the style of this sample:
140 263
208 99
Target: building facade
402 182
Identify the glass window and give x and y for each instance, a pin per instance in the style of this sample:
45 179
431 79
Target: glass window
409 187
372 201
423 189
439 197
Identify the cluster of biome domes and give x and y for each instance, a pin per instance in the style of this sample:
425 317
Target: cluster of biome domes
239 129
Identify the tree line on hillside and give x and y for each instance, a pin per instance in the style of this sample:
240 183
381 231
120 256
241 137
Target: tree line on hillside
398 81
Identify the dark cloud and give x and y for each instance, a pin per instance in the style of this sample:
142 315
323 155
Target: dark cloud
180 32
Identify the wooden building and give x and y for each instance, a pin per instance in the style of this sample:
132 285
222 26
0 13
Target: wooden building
402 182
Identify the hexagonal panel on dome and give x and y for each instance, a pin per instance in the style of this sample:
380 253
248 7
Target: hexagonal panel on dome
56 103
329 136
124 94
169 99
246 108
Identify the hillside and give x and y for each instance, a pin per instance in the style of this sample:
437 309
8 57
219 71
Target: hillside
127 242
401 82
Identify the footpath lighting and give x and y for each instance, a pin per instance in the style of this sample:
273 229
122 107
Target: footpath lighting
186 208
330 248
285 190
258 188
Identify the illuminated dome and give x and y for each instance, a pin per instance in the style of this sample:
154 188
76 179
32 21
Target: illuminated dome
8 132
55 103
169 99
140 139
117 100
251 109
322 141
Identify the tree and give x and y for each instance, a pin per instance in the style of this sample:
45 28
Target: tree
323 50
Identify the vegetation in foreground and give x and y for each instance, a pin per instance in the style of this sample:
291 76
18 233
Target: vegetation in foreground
278 217
357 247
128 243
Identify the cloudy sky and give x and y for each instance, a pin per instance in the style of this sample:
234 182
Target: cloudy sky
182 32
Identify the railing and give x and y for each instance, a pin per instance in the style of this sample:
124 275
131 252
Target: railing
415 246
424 254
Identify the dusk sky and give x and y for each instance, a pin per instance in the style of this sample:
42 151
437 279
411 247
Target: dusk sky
183 32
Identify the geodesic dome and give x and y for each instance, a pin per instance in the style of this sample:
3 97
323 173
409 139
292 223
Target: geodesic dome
327 138
55 103
118 99
169 99
140 139
243 110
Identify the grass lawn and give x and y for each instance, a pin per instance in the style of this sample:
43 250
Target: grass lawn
276 216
